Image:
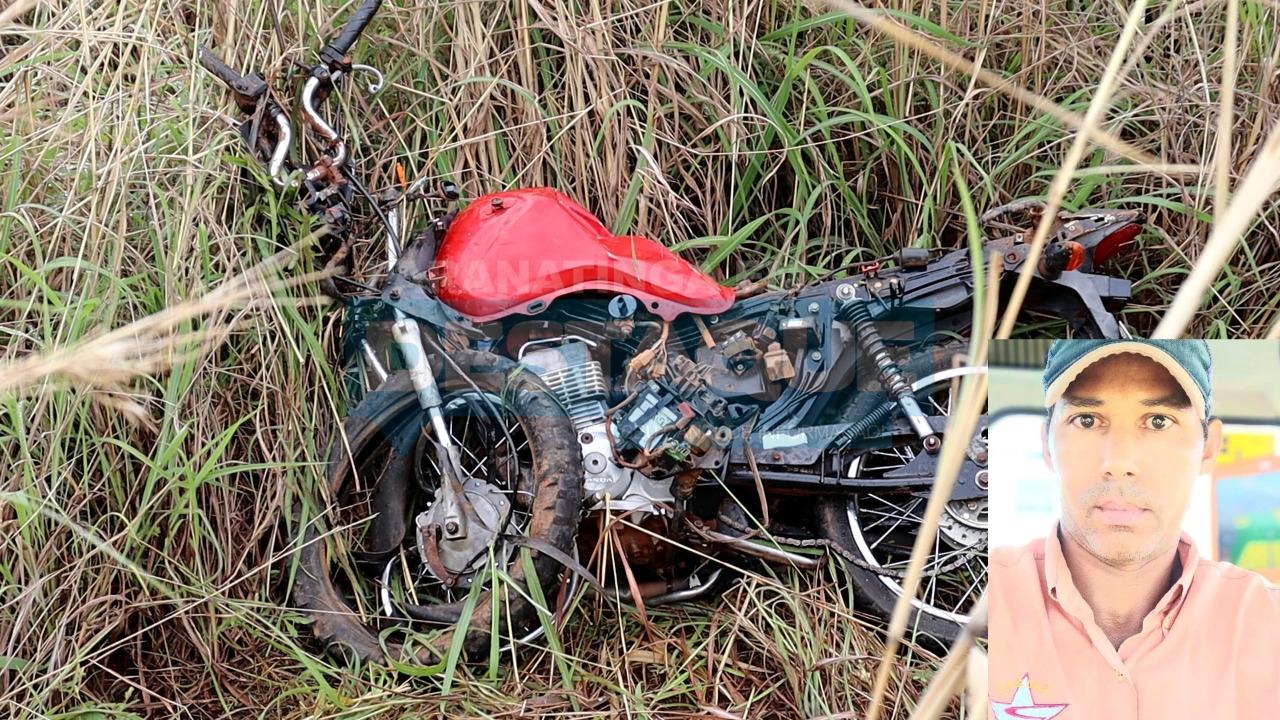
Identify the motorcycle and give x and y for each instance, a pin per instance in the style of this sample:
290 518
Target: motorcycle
533 397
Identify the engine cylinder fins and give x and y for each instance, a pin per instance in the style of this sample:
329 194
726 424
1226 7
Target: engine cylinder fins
582 390
575 378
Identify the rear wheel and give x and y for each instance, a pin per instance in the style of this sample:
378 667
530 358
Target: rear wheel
880 528
523 479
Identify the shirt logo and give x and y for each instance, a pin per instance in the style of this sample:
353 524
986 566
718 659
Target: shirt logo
1025 707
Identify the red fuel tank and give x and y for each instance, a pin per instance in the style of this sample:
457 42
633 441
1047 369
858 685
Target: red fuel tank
516 251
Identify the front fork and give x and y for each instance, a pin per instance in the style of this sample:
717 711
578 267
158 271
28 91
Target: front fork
454 503
454 506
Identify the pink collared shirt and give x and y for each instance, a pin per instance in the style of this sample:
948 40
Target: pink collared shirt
1210 650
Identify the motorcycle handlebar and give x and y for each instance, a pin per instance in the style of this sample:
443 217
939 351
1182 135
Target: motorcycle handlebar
356 25
220 70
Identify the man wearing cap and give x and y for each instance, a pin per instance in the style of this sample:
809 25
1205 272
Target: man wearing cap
1115 614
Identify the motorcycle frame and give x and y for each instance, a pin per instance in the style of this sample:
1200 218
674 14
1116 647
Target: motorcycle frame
937 298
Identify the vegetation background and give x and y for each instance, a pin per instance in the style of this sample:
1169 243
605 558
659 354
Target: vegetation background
143 475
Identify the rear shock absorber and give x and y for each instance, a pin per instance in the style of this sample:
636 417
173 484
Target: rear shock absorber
871 344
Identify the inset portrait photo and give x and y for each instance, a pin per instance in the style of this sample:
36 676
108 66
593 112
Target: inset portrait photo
1135 529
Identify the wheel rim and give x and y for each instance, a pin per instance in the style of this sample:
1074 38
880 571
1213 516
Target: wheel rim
884 525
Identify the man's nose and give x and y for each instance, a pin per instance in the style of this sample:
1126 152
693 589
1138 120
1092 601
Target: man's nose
1120 454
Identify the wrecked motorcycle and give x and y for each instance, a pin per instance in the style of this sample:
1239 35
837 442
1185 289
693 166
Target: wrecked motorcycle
536 402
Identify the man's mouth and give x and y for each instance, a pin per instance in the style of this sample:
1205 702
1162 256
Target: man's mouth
1119 512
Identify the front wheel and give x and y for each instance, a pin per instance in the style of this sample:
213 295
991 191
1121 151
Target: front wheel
374 580
879 528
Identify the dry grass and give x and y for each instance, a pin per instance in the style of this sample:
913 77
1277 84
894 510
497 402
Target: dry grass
142 561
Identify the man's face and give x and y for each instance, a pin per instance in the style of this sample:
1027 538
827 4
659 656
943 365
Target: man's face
1127 447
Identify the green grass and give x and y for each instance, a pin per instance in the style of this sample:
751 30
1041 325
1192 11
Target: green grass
142 522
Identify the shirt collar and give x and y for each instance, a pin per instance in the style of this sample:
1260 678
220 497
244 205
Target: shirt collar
1058 581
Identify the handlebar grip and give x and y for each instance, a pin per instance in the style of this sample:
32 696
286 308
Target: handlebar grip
220 70
356 25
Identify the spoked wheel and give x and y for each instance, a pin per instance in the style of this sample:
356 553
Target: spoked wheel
395 559
880 528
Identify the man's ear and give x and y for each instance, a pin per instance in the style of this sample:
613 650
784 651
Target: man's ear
1212 445
1044 445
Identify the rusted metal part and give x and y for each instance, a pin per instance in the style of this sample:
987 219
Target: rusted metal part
325 170
431 544
1031 206
1088 228
685 483
646 549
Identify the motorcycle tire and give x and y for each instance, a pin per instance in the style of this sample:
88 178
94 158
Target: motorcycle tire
835 518
387 423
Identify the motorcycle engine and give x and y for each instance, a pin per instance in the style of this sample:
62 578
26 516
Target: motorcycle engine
579 382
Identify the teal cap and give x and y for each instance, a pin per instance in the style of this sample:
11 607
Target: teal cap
1188 361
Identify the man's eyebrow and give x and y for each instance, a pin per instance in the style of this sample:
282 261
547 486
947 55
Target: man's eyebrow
1178 402
1081 401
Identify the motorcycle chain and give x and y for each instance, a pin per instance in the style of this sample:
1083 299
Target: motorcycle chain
848 556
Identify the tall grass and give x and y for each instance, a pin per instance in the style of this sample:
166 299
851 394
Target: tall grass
143 550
